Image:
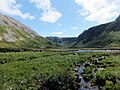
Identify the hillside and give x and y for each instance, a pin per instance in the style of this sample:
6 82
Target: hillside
104 35
62 41
14 34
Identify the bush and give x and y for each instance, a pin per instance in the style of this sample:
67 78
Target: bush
117 86
60 81
110 77
88 70
109 85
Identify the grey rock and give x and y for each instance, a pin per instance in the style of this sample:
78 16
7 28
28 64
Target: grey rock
0 38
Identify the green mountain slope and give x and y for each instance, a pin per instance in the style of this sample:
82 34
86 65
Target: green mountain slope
105 35
13 34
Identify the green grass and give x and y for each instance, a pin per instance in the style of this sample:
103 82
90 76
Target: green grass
22 70
2 30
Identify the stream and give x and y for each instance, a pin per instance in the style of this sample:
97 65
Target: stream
81 83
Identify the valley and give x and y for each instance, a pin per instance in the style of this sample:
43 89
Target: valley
29 61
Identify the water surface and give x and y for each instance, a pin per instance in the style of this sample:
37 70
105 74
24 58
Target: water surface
97 51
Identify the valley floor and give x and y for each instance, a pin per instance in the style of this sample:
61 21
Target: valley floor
56 70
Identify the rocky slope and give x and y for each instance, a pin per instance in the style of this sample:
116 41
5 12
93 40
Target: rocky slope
14 34
105 35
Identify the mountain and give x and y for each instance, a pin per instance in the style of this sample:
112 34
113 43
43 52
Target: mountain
62 41
104 35
14 34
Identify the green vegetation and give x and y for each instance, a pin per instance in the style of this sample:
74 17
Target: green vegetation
55 70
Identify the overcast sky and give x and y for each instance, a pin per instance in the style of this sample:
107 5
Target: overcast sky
61 17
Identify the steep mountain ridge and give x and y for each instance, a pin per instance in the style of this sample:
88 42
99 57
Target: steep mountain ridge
104 35
14 34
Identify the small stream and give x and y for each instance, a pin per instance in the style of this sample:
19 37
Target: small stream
81 83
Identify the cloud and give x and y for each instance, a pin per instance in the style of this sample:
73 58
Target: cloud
57 33
10 7
49 13
74 28
100 11
51 16
42 4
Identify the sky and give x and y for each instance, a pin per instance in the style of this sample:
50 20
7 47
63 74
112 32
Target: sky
62 18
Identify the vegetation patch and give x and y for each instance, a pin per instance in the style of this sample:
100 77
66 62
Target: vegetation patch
55 70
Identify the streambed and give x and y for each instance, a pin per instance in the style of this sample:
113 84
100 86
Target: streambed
83 84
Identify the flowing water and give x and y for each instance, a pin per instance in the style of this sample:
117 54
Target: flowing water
97 51
83 85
